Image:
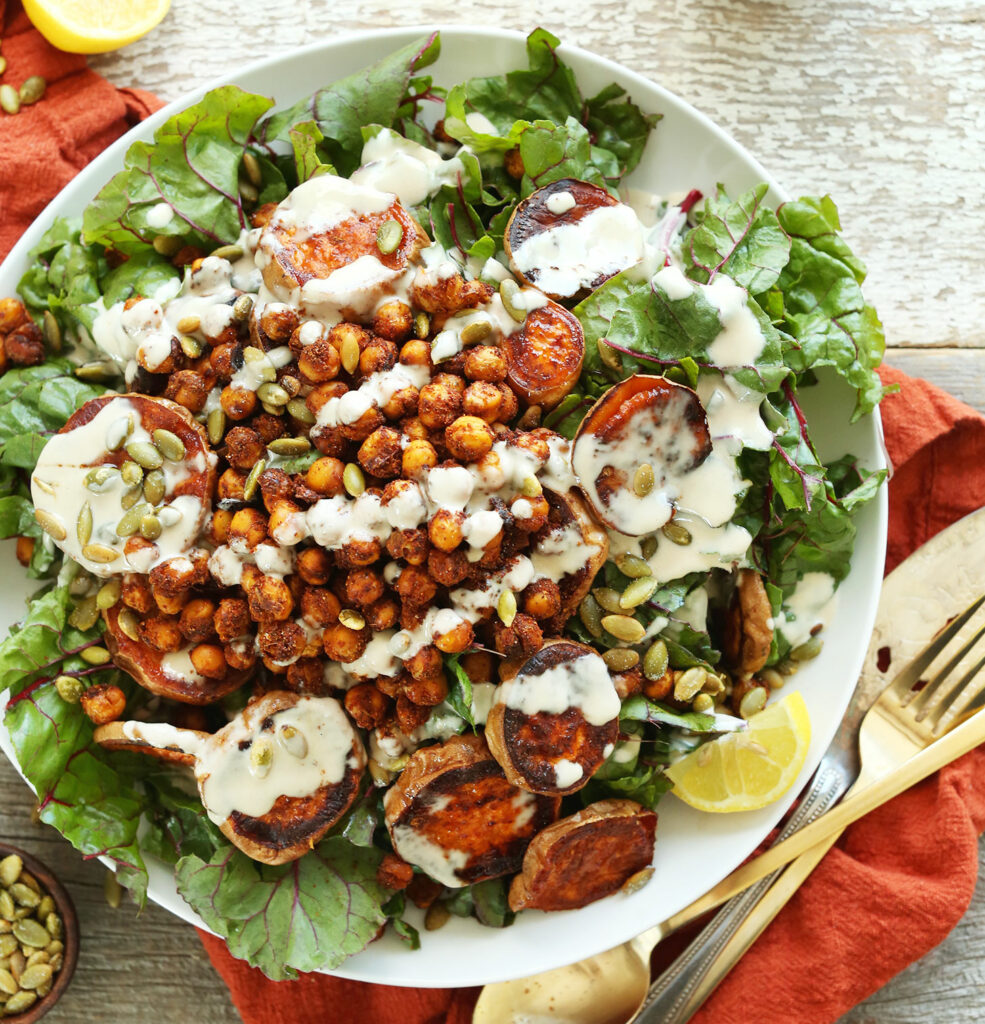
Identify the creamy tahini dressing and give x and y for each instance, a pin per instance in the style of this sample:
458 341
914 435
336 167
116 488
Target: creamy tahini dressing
440 862
813 603
412 172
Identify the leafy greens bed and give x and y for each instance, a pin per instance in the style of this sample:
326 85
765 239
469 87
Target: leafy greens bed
805 291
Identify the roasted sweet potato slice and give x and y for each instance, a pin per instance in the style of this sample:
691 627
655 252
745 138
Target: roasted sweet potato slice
748 624
328 223
581 859
553 724
544 357
569 237
635 448
453 813
82 510
158 739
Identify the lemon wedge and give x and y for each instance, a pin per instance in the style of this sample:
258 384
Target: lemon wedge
742 771
94 26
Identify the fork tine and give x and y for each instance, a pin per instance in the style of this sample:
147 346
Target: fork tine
936 713
921 700
912 672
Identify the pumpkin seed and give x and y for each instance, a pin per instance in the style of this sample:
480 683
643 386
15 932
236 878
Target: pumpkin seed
643 480
349 353
703 703
655 660
192 347
7 945
56 965
715 684
154 487
506 607
29 933
753 702
32 89
97 372
787 667
389 235
248 192
54 946
7 907
254 172
189 324
290 445
112 890
100 479
437 916
353 479
609 356
291 385
16 964
292 741
31 882
591 615
253 480
688 684
273 410
297 408
531 487
150 527
422 326
608 599
215 426
145 454
83 523
131 473
167 245
624 627
19 1003
637 881
70 690
649 547
129 524
530 420
169 445
633 566
94 655
380 775
3 65
52 332
51 524
232 253
131 497
261 755
10 870
771 678
169 515
10 102
39 956
272 394
474 332
7 982
242 308
676 533
36 975
509 291
351 619
620 659
128 623
808 650
638 591
43 485
85 615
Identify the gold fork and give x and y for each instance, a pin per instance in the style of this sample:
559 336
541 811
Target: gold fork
894 736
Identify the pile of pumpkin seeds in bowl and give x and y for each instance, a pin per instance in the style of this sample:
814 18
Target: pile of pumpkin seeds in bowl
31 933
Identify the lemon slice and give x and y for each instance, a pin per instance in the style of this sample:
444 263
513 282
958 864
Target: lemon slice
743 771
94 26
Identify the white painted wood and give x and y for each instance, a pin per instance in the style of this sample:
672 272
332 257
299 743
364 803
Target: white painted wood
878 103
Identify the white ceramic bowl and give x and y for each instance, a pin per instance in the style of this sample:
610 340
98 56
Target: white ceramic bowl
694 850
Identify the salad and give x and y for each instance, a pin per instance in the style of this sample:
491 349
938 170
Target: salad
408 495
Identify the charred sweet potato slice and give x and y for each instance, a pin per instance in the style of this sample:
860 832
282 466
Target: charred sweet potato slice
553 724
586 857
544 357
164 742
453 813
748 624
558 241
643 422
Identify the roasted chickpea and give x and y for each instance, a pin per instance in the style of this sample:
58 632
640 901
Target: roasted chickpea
410 545
340 332
367 706
428 691
180 575
468 438
380 454
287 524
363 586
530 514
278 321
440 401
135 593
269 427
319 606
416 352
415 586
449 295
324 393
244 448
382 614
221 361
628 683
270 599
319 361
401 403
417 457
378 356
248 528
393 872
479 666
484 400
344 644
188 388
364 426
534 442
209 661
231 485
485 363
411 716
510 406
445 529
356 552
103 703
13 313
414 430
542 599
659 689
394 321
307 675
325 476
281 641
237 403
456 640
523 637
240 655
219 523
196 621
448 567
161 633
425 663
171 604
313 565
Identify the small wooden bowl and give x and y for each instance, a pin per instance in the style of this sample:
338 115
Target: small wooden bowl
70 934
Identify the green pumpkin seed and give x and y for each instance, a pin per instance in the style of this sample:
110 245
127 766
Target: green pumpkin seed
8 984
261 756
29 933
422 326
609 356
808 650
232 253
96 373
753 702
608 599
131 497
189 324
101 553
788 667
131 473
688 684
506 607
215 426
39 956
643 480
19 1003
129 524
155 486
56 965
7 908
655 660
3 65
272 394
291 385
128 622
150 527
145 454
251 165
192 347
7 945
10 102
437 916
32 89
242 308
624 628
85 615
676 533
10 870
36 975
273 410
100 479
83 523
703 703
474 332
293 741
31 882
51 524
771 678
248 193
509 291
349 353
649 547
112 890
637 881
290 445
389 236
716 684
351 619
531 487
253 480
69 689
54 946
620 659
52 331
297 408
353 479
633 566
167 245
94 655
43 485
591 615
638 591
169 445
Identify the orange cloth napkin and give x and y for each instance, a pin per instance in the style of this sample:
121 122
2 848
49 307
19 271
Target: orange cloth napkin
897 882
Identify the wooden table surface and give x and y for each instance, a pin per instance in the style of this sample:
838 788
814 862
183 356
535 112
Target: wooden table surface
880 103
